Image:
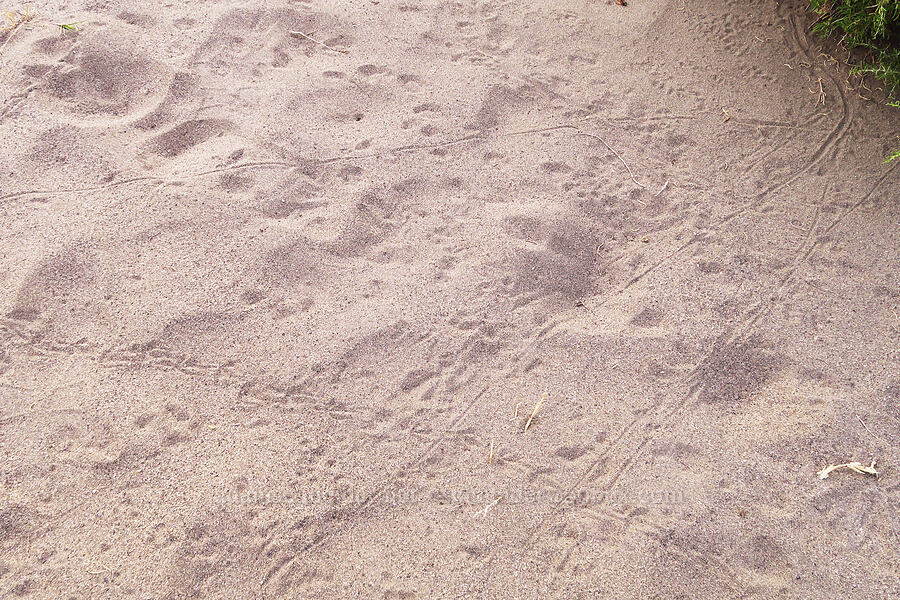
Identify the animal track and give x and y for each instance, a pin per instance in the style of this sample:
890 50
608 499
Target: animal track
95 81
185 136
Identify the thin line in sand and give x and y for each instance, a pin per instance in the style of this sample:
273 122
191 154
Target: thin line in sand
323 44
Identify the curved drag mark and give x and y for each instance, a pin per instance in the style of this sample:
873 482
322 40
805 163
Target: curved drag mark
415 463
697 237
327 529
247 165
662 415
861 201
781 144
856 205
84 190
355 511
578 131
274 164
828 144
15 100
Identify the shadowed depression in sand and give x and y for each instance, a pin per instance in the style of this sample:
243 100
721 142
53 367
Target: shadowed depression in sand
282 282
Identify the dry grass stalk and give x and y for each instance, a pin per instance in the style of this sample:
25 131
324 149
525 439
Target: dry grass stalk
315 41
14 20
535 411
856 467
485 510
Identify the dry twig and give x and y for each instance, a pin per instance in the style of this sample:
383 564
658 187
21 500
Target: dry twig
323 44
610 148
17 20
856 467
662 189
534 412
485 510
864 425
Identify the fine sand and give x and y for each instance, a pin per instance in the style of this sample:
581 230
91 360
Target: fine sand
275 277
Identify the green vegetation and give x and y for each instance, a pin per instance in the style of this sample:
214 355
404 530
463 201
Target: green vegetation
870 24
873 25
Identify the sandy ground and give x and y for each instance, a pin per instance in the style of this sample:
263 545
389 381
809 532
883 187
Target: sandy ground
268 304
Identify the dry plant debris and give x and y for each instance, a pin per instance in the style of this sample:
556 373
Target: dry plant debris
856 467
14 20
484 511
315 41
535 411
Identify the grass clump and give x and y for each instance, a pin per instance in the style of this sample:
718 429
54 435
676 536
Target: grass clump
872 25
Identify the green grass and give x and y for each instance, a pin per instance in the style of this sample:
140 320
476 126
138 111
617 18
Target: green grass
874 26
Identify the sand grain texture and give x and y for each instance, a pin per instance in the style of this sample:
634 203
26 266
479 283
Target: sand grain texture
268 303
